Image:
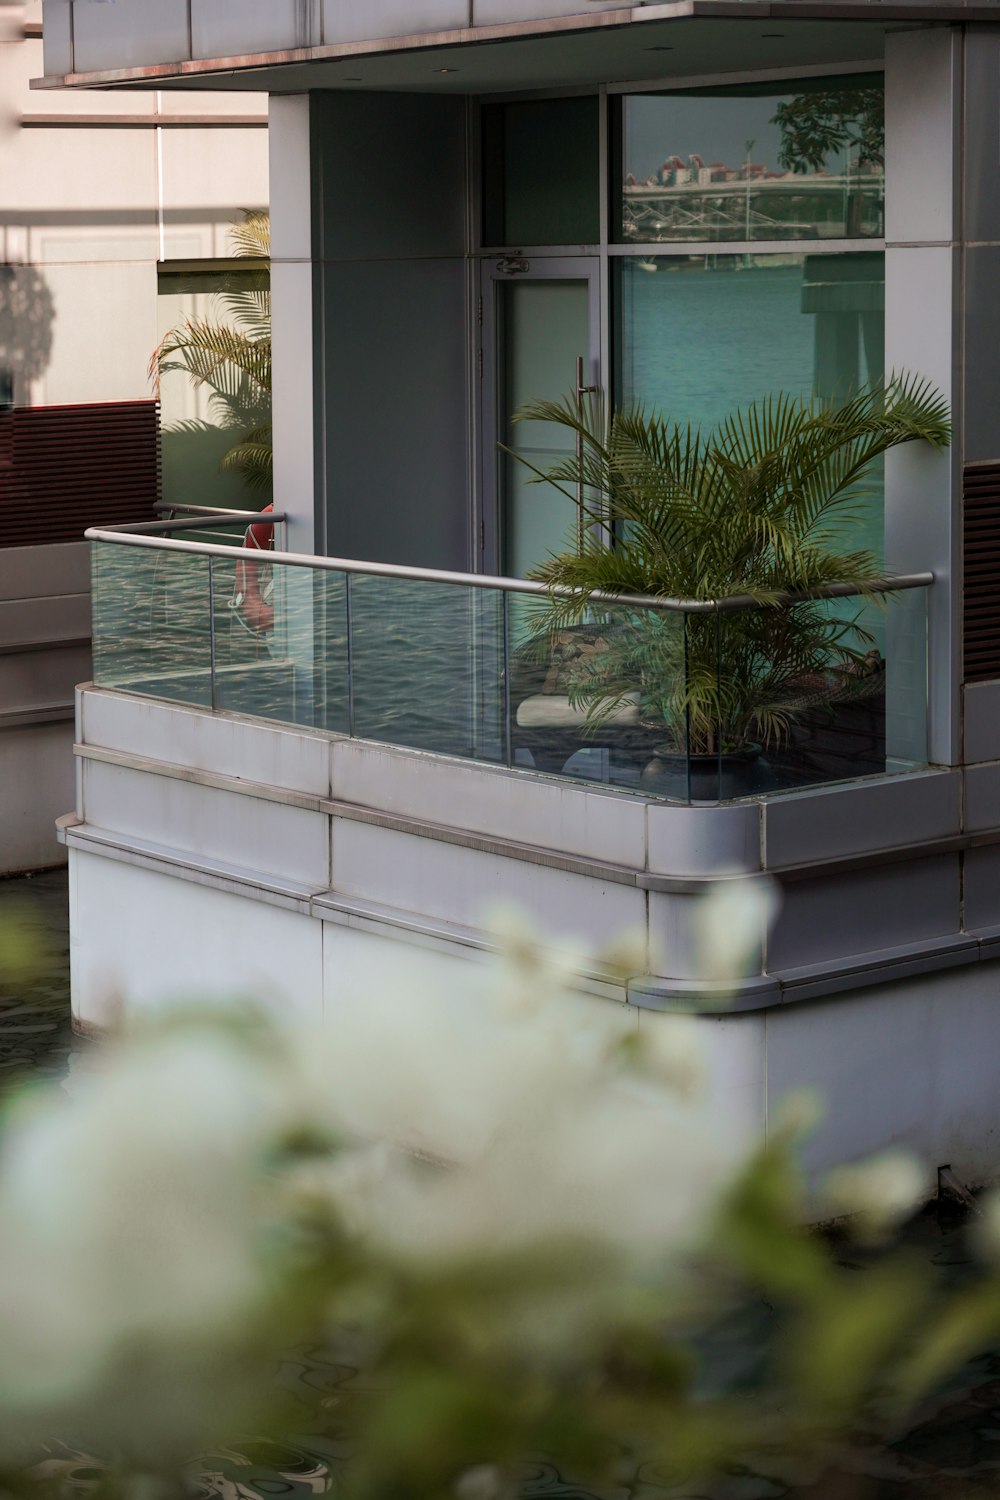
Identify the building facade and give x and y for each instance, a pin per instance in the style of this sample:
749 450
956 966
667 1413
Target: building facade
475 204
109 205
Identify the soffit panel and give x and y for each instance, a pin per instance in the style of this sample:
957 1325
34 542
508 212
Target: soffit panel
722 38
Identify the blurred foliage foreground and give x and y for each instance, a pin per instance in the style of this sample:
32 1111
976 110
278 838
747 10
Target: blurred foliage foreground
536 1248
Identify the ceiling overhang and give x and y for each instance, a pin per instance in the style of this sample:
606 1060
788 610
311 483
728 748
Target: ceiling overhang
684 38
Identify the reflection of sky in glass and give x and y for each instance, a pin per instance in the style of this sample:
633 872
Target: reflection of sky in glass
685 164
658 126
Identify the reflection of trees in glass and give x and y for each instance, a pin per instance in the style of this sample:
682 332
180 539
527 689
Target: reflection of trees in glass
27 313
233 359
813 126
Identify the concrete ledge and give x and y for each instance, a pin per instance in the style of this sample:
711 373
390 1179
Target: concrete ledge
47 713
718 839
820 824
705 997
753 994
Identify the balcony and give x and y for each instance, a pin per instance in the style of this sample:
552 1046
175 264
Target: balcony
687 701
298 776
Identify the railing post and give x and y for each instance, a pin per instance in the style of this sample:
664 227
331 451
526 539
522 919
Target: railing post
687 709
348 577
211 629
718 688
508 737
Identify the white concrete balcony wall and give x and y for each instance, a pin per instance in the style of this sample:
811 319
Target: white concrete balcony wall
217 855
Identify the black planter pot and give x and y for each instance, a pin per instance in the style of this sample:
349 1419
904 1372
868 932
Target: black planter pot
713 778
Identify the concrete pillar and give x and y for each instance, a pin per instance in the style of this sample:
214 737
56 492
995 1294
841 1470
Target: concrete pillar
923 491
296 435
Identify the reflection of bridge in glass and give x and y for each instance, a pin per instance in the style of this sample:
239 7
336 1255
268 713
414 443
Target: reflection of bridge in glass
770 208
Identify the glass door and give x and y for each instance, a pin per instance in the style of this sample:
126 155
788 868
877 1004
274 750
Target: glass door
541 340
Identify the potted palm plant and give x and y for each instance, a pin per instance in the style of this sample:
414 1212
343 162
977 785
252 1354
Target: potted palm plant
761 507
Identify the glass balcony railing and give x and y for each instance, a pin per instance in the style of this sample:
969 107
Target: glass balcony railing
691 701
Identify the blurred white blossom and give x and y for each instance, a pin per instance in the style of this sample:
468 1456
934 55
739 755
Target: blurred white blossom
878 1193
556 1116
143 1216
131 1225
730 926
986 1228
796 1115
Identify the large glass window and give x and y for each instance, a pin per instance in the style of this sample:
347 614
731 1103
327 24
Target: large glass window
760 161
541 173
701 335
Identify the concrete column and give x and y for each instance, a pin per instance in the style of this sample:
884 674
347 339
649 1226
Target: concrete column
296 433
923 489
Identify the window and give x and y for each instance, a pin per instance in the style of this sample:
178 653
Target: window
541 173
760 161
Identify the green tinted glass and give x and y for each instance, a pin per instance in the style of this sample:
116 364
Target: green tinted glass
152 622
541 183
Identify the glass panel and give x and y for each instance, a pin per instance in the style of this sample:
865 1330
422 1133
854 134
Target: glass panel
906 730
280 634
804 698
545 326
151 622
601 700
800 160
541 175
702 335
699 708
427 665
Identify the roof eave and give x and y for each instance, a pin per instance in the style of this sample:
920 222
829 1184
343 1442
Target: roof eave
190 69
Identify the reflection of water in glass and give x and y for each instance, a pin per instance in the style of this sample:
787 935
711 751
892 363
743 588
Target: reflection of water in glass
697 342
706 335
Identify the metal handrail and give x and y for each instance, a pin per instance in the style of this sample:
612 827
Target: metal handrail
209 510
187 521
128 536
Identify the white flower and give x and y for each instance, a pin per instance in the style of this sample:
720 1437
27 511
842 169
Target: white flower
985 1229
796 1115
879 1193
730 924
671 1051
556 1119
142 1220
131 1220
485 1482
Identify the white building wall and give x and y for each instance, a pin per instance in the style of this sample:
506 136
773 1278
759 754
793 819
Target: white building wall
87 211
95 190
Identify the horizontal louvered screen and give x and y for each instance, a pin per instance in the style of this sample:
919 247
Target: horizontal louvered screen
981 635
64 468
